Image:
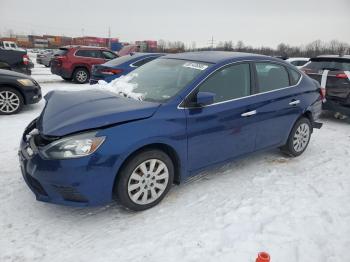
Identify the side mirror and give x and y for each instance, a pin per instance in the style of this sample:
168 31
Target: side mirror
205 98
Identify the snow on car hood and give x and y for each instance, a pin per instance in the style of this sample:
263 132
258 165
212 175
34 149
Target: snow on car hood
121 86
68 112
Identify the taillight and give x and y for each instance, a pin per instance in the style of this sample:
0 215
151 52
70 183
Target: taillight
110 71
26 59
60 59
323 93
342 76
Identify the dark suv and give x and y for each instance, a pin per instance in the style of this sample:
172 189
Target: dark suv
333 73
75 62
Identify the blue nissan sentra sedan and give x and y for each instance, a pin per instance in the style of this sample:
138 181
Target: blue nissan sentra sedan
171 118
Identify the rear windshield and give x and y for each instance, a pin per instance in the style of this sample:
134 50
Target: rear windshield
61 52
121 60
298 62
327 64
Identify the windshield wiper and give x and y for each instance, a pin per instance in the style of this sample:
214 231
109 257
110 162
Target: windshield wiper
122 93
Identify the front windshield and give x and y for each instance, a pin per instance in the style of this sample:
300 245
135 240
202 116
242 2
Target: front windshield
158 80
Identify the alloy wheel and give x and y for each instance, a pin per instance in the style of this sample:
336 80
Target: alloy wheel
9 102
301 137
81 76
148 181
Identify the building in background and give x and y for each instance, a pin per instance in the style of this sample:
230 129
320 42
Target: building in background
147 45
55 41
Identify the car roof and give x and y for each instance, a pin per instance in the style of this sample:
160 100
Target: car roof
330 58
138 54
214 57
334 56
83 47
297 59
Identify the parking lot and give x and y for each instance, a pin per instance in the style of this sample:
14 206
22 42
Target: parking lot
295 208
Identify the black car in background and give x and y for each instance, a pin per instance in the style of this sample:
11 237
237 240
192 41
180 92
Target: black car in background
16 90
15 60
333 73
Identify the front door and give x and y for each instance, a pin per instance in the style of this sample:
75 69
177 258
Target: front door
226 128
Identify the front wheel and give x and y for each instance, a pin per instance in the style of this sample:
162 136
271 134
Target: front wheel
11 101
299 138
145 180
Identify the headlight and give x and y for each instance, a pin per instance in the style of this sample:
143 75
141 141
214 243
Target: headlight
73 147
26 82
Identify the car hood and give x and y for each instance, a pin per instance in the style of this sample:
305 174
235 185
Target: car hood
69 112
4 72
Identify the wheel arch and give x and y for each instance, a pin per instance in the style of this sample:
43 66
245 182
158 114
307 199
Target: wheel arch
169 150
308 114
16 88
78 66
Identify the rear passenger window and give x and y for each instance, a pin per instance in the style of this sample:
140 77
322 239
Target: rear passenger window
89 53
294 77
271 76
143 61
229 83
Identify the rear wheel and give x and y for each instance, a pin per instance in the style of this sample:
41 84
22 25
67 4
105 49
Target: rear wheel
81 75
145 180
11 101
299 138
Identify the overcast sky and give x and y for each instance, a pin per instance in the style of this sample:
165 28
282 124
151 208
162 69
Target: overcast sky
255 22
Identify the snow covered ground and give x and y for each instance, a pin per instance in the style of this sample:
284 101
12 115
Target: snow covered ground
295 209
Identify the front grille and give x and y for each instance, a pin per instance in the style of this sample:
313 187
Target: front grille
36 186
70 194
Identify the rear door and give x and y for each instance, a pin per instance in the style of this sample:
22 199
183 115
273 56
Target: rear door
90 57
226 128
278 103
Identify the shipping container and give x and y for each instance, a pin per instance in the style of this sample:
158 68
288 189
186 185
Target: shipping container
116 46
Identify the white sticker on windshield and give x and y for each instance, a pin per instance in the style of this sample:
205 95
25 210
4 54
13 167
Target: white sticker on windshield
195 66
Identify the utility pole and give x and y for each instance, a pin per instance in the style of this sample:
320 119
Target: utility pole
109 36
211 42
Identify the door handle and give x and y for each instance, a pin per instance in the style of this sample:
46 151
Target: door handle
294 102
250 113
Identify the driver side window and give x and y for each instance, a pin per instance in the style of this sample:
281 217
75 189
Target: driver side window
228 83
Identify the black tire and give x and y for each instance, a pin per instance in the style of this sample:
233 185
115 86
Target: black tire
81 75
121 188
290 147
67 78
15 96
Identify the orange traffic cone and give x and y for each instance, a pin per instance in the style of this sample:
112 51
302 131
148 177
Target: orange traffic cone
263 257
